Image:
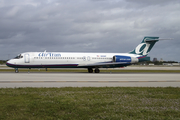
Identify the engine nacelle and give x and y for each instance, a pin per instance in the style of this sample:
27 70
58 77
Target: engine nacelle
128 59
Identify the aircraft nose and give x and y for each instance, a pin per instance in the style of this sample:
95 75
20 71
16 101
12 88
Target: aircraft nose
8 63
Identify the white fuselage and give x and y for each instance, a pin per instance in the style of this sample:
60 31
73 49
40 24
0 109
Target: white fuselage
71 60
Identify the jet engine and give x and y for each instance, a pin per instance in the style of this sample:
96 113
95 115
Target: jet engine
127 59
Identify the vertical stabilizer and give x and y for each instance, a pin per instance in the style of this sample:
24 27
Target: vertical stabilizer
145 46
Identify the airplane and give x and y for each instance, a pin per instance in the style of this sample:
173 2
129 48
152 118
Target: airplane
90 61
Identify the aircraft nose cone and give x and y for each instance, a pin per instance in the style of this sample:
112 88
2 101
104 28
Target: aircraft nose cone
8 63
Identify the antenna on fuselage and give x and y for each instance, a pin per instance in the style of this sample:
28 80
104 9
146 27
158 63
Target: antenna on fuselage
44 51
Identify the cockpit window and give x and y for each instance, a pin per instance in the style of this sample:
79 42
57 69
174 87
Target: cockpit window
18 57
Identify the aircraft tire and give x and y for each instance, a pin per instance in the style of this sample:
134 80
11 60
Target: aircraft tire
90 70
16 71
97 70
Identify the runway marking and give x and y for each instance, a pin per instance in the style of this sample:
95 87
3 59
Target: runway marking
35 81
84 81
15 81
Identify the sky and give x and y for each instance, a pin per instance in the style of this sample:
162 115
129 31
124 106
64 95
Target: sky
89 26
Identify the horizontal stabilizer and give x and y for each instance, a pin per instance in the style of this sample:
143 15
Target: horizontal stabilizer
149 40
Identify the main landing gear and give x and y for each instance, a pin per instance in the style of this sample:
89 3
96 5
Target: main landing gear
97 70
90 70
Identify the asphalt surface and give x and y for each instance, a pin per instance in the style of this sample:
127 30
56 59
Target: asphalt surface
14 80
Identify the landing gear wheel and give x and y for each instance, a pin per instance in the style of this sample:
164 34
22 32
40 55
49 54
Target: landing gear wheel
96 70
90 70
16 70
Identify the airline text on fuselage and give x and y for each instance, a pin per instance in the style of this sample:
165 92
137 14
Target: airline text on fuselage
49 55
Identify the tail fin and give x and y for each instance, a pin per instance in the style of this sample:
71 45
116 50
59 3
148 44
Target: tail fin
145 46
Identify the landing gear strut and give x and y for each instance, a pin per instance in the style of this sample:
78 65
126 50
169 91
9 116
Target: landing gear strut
90 70
29 70
16 70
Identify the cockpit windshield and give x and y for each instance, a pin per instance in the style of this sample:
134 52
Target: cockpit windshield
18 57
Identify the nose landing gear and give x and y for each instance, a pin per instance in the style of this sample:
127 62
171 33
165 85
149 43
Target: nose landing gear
16 70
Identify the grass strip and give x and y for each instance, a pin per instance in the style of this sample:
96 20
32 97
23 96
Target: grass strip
90 103
85 71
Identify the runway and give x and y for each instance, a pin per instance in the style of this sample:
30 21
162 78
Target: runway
12 80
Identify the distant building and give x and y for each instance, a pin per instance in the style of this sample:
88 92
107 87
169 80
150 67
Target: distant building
171 64
168 64
175 64
155 60
161 60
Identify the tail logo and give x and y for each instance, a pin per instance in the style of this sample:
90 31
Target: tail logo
142 49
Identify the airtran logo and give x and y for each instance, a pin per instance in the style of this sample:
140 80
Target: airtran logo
142 49
124 59
49 55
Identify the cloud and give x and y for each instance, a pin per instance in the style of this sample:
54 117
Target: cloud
88 26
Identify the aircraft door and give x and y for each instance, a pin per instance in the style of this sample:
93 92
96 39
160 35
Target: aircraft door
88 58
26 58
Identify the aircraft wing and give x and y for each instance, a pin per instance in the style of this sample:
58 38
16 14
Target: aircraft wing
104 64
